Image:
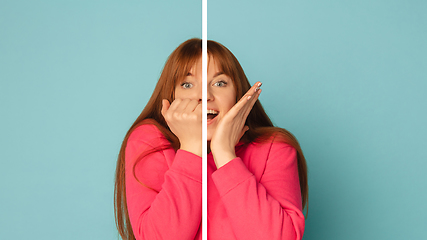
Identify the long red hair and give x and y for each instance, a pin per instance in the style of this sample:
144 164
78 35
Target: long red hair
176 68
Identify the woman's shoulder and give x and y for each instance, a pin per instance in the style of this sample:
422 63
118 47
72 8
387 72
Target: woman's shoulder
271 140
148 131
264 147
268 150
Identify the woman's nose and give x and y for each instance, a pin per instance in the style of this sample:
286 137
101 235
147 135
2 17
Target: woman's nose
209 95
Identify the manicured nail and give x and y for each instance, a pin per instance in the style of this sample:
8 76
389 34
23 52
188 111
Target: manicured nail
258 86
249 97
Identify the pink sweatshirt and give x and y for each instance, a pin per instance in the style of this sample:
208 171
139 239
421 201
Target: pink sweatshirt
254 196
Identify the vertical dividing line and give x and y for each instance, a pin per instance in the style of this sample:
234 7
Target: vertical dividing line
204 121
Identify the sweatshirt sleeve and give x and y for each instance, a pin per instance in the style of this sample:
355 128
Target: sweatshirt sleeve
163 202
266 209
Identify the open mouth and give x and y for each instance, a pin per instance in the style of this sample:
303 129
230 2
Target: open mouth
212 114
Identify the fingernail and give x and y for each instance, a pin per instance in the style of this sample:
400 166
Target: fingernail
258 86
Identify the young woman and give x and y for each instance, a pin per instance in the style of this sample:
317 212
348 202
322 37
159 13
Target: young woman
257 177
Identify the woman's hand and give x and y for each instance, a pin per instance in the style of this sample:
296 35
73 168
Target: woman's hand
184 118
232 127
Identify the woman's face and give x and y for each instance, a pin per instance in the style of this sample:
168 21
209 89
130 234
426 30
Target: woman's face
221 92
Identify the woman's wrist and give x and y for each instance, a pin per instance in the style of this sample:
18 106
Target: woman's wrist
195 148
223 157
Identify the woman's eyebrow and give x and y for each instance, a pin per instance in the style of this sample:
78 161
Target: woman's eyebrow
217 74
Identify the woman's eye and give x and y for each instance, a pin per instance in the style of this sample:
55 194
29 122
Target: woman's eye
186 85
220 84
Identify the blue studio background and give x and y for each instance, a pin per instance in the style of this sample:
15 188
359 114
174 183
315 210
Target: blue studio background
74 75
347 78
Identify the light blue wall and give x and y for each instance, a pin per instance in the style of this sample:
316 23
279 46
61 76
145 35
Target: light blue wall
74 75
349 79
